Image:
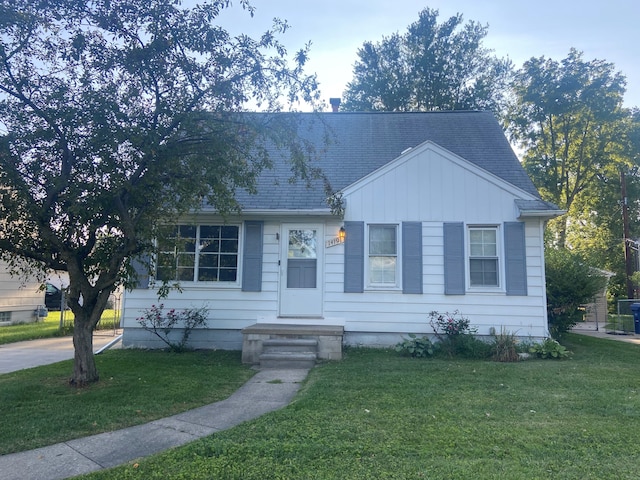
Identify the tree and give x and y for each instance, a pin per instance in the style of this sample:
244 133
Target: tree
570 283
431 67
116 114
568 118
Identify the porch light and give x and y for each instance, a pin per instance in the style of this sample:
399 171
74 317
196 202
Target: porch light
342 233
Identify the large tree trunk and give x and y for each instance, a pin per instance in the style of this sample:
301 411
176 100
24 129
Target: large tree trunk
84 365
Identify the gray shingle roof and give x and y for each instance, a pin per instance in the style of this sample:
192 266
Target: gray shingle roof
360 143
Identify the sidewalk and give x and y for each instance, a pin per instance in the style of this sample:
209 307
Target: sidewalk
593 330
265 392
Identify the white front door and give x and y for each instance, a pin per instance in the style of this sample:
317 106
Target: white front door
301 270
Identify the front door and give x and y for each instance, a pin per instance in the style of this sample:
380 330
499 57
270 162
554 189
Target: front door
301 271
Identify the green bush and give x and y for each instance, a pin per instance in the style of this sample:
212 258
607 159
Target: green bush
154 320
456 336
550 348
414 346
570 283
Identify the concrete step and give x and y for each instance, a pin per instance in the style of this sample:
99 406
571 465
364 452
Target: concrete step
289 345
287 360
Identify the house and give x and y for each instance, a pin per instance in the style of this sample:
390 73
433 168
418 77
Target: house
21 299
438 215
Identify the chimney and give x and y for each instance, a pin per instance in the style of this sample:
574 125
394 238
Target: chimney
335 104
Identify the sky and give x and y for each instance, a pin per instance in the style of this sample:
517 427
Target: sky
518 29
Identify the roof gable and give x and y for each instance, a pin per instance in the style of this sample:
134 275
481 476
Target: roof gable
418 154
361 143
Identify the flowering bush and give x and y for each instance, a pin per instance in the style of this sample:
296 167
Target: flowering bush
155 321
456 336
450 324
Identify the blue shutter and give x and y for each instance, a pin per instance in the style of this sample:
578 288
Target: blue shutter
454 260
515 258
354 257
141 266
252 257
412 257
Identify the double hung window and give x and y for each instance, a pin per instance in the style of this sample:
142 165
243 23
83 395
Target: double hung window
483 257
383 255
199 253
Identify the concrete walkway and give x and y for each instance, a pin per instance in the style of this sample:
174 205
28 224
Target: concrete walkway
266 391
33 353
598 331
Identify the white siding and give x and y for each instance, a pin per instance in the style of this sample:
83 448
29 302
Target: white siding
428 185
19 298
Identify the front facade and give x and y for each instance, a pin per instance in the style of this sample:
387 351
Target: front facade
437 215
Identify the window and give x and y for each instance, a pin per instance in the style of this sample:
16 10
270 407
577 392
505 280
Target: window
483 257
383 255
203 253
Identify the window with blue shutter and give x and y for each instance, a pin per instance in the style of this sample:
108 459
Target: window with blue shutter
141 267
252 256
412 257
515 258
354 257
454 258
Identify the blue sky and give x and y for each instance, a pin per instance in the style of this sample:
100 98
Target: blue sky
518 29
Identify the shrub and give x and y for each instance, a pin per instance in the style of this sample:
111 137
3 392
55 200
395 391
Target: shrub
550 348
418 347
570 283
505 347
456 336
450 324
155 321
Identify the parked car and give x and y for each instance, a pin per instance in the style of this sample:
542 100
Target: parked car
52 297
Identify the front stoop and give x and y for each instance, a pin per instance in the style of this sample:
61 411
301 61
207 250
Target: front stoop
289 353
290 346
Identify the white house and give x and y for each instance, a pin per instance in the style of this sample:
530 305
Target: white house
439 215
20 299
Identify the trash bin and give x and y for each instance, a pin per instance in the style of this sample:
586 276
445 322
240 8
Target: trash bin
635 308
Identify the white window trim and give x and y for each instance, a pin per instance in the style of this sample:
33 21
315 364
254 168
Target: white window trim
500 288
384 286
194 284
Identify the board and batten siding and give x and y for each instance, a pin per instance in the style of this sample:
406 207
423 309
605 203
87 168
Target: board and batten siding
463 194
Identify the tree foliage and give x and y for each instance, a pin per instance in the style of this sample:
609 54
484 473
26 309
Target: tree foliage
117 114
568 118
433 66
570 283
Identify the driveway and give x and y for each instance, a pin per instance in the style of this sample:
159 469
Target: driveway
21 355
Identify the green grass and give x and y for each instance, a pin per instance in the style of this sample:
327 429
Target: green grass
50 327
38 407
377 415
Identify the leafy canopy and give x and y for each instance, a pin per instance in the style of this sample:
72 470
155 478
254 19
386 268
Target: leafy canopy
568 117
433 66
116 115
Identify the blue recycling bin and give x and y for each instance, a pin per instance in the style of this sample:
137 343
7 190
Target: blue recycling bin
635 308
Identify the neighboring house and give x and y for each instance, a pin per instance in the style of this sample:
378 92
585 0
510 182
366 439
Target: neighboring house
439 215
20 299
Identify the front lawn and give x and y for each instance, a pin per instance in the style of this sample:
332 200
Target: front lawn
378 415
38 407
50 327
